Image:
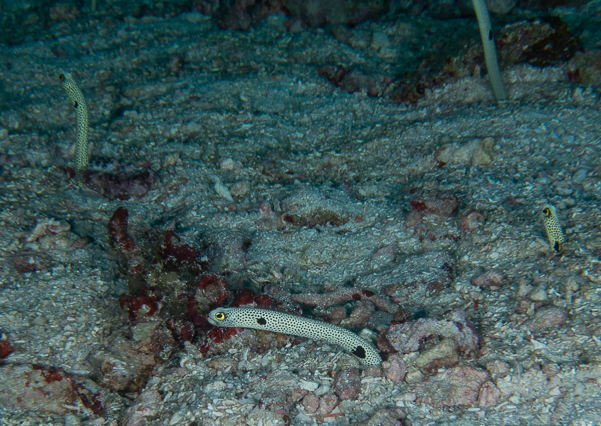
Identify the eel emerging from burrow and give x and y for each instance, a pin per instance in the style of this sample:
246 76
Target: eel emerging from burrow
262 319
81 111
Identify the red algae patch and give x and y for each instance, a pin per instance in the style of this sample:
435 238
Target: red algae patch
212 292
122 186
5 348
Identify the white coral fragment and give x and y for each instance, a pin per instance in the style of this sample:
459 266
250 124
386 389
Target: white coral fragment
221 189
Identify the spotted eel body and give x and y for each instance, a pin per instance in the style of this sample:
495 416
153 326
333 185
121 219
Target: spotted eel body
490 51
278 322
81 111
552 226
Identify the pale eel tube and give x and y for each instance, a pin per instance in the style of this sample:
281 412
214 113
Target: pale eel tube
552 226
262 319
81 111
490 51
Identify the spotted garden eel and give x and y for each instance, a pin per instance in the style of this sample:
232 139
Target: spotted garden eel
278 322
552 226
490 51
81 111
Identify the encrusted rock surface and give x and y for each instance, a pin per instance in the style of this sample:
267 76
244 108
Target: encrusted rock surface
456 386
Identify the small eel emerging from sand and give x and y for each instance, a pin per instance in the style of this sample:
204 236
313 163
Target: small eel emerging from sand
262 319
490 51
81 111
552 226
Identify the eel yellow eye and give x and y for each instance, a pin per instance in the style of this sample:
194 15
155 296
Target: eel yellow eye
61 77
220 316
547 211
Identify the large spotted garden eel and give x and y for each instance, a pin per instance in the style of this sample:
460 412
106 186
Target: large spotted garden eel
278 322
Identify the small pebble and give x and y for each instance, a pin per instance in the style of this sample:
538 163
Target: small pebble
491 278
327 403
310 386
322 390
539 295
379 40
227 164
551 316
311 403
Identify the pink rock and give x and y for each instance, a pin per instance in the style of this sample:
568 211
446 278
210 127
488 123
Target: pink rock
551 370
585 68
360 315
311 403
296 395
491 278
327 403
498 368
336 315
11 159
383 257
551 316
372 371
489 395
241 14
266 211
444 354
456 386
146 405
523 306
395 368
273 391
30 262
386 252
121 185
407 337
347 384
435 202
44 227
471 220
268 219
